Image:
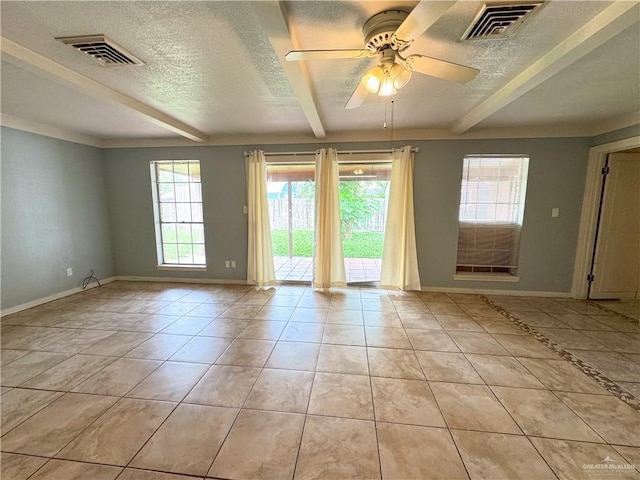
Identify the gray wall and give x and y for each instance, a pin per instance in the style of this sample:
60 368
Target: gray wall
54 216
556 179
557 169
131 210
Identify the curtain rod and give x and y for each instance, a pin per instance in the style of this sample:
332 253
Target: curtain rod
340 152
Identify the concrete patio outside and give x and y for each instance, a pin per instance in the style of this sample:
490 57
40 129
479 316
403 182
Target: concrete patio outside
300 269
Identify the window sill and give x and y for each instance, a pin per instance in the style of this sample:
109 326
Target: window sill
486 277
183 268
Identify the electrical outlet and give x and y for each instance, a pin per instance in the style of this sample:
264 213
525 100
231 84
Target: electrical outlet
245 210
227 264
555 212
233 264
69 272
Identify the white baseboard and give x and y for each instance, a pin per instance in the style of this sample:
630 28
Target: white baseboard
476 291
133 278
506 293
51 298
216 281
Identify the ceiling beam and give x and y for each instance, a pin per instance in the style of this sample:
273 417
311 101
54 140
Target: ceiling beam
25 125
45 67
274 23
606 25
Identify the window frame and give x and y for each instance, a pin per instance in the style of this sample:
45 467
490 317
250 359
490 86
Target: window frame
511 223
158 222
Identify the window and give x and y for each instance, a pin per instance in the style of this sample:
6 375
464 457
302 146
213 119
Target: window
491 212
177 196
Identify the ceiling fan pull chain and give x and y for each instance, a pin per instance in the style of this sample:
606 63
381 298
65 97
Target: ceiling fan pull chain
391 143
384 125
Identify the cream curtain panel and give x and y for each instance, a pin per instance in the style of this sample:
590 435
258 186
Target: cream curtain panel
399 255
260 267
328 262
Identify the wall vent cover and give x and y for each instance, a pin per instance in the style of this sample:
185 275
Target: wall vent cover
500 20
102 49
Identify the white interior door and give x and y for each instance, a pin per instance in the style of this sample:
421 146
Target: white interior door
616 267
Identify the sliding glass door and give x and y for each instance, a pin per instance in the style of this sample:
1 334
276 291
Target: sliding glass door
291 191
364 193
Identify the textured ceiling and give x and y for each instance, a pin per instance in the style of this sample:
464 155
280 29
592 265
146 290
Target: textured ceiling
213 67
82 114
599 71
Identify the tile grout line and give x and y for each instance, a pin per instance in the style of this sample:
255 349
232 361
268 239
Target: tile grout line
373 402
304 423
612 311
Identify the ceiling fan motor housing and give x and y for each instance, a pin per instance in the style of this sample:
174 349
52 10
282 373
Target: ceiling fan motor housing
378 30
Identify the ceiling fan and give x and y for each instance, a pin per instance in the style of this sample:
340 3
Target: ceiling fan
386 35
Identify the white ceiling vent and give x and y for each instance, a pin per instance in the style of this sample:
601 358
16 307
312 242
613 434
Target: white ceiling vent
500 20
101 49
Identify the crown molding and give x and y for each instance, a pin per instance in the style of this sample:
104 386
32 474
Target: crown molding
552 131
616 123
359 136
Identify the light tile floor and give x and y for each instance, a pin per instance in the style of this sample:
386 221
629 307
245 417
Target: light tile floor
604 335
300 269
140 381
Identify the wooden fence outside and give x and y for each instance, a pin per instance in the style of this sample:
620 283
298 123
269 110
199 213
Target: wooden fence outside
302 215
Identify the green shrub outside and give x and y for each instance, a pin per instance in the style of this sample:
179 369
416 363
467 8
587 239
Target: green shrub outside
357 245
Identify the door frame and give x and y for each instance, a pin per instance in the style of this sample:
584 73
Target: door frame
590 207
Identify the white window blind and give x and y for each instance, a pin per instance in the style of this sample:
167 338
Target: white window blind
492 198
178 212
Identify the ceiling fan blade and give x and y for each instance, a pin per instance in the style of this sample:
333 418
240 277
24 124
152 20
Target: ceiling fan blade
357 97
296 55
440 68
422 17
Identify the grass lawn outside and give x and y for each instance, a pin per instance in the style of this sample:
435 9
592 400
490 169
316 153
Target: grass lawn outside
360 245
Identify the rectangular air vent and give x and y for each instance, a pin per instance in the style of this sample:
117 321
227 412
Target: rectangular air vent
500 20
101 49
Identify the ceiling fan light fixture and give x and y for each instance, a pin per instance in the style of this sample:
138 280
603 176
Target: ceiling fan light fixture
400 75
372 80
386 87
385 80
386 35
